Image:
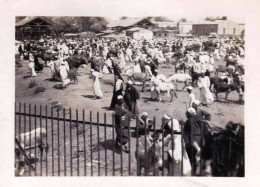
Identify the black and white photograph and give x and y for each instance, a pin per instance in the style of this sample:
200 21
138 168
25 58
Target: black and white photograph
145 96
130 89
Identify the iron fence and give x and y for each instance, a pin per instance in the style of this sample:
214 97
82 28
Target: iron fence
80 143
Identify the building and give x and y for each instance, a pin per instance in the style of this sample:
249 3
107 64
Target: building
220 27
165 33
128 23
184 27
167 24
32 28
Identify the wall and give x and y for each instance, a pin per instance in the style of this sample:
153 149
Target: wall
204 29
184 27
229 27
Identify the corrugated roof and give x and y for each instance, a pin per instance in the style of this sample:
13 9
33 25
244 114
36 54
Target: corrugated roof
209 22
28 20
166 23
124 23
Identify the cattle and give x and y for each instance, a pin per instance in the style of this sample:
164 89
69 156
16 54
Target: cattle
37 134
164 87
76 61
38 139
138 78
180 78
73 75
224 88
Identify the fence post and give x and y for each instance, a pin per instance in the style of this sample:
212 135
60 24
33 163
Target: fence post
91 154
77 128
113 136
64 140
19 137
154 126
162 148
98 143
46 125
71 166
105 132
41 137
129 147
52 139
145 152
30 137
58 137
172 137
84 140
137 151
35 153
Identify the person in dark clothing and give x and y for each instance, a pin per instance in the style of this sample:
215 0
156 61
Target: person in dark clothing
142 62
201 114
117 69
143 124
118 90
154 67
94 64
122 123
131 96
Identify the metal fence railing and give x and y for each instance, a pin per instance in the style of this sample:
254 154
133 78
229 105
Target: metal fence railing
53 142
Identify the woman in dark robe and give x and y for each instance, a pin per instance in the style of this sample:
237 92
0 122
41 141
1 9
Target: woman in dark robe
118 90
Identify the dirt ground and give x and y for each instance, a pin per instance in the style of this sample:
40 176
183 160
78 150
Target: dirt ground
80 96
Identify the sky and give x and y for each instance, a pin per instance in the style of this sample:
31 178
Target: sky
193 10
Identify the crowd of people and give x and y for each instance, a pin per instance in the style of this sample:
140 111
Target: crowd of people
119 56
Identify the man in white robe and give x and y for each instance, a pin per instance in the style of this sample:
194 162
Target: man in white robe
64 75
205 94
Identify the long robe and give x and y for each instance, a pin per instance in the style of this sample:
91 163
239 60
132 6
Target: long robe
96 84
122 124
64 75
206 95
32 69
130 97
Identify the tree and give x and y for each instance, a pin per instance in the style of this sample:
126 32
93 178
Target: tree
19 18
183 20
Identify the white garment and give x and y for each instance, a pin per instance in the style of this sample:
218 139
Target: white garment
64 75
206 95
51 65
191 99
119 84
96 84
148 70
137 68
211 64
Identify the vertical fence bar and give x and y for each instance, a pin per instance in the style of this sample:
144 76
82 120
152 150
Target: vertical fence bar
19 130
98 143
201 140
129 148
91 153
105 133
145 153
172 136
154 127
182 148
52 142
137 151
64 140
77 118
71 166
192 152
113 136
84 146
15 134
121 152
58 137
24 128
46 125
35 153
163 148
30 136
41 138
